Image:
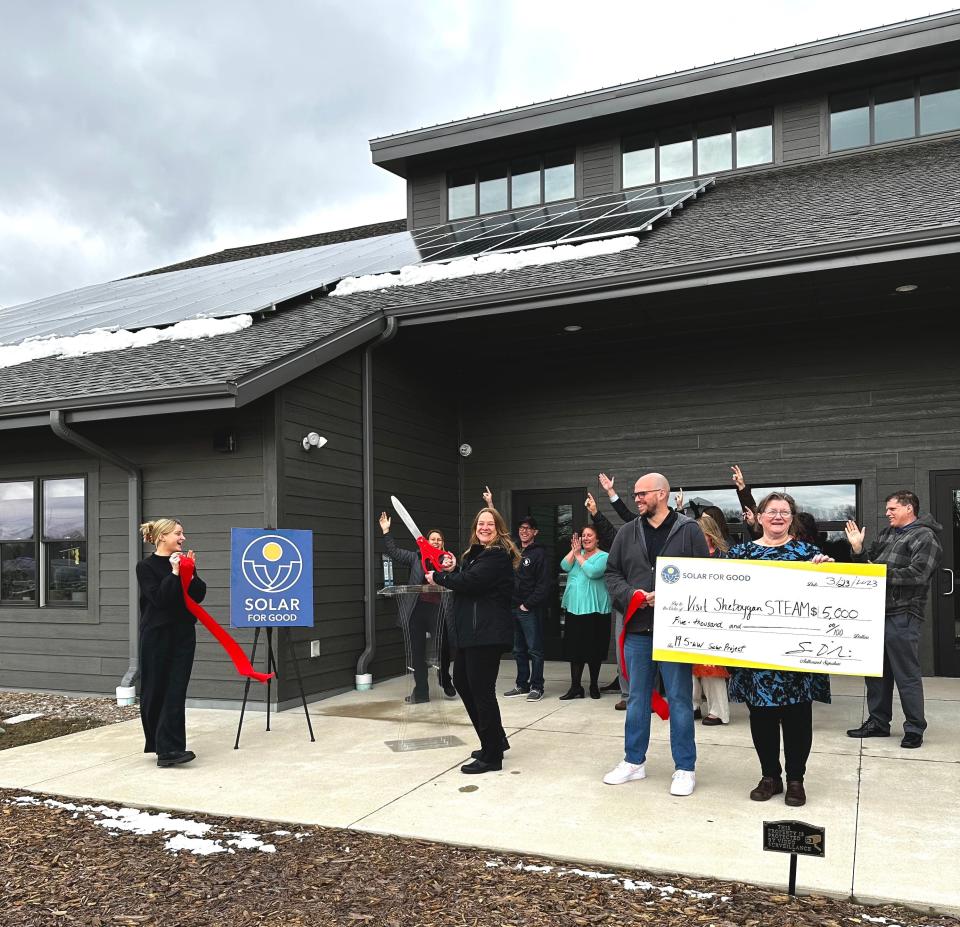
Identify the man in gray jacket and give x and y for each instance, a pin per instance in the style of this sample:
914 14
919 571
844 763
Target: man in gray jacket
631 566
911 550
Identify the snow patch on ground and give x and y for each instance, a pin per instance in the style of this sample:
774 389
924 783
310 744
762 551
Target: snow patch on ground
19 719
186 835
102 339
485 264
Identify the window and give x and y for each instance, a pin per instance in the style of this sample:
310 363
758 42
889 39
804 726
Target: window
892 112
43 546
709 147
524 183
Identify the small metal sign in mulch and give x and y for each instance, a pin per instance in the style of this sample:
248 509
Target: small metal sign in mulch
64 862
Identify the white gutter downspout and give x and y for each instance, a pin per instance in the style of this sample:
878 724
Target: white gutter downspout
126 691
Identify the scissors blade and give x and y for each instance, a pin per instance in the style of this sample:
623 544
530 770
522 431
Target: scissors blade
405 517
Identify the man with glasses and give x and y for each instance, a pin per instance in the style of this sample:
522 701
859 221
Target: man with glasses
658 532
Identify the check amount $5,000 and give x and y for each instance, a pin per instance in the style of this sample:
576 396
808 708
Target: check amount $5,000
826 618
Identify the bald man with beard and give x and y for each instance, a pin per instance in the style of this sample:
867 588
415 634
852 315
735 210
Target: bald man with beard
658 532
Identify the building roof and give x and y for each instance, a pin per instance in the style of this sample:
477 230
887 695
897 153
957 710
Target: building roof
911 37
841 206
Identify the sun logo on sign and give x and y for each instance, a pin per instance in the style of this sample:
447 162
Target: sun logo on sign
670 573
271 563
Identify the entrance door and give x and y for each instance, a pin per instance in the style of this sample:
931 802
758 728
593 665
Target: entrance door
945 506
558 512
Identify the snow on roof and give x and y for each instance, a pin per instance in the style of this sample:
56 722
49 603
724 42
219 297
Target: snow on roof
100 340
496 262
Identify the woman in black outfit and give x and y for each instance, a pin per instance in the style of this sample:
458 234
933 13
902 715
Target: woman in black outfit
481 629
168 639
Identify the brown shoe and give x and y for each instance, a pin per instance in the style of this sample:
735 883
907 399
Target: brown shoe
621 705
710 721
766 788
795 794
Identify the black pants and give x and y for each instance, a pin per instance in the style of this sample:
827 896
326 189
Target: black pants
475 676
444 654
423 620
797 724
166 659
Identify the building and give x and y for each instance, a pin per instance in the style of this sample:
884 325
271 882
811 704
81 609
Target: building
792 297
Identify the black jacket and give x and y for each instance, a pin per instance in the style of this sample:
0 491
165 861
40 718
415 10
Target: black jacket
161 595
482 587
532 584
605 530
410 558
620 507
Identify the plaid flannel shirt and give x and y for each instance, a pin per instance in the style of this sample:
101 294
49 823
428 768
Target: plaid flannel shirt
912 557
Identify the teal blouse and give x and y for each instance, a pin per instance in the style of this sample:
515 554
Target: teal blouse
586 592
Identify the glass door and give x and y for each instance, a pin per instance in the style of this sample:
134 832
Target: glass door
945 507
558 513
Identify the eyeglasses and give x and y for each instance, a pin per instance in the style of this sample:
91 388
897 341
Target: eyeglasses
645 492
773 513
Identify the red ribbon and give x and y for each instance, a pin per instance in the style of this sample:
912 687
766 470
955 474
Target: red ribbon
657 702
233 649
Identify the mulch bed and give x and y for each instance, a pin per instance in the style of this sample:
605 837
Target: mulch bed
58 866
60 714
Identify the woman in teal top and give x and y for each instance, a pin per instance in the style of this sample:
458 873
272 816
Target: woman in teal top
586 632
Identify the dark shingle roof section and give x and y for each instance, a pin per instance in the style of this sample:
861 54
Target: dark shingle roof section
897 190
288 244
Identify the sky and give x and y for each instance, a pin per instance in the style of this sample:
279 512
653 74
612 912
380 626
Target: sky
134 134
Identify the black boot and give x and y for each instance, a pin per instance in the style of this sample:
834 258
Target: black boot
576 686
594 680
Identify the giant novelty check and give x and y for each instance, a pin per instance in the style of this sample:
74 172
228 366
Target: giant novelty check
819 618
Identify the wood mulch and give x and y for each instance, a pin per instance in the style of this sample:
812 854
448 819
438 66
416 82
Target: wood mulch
59 715
59 866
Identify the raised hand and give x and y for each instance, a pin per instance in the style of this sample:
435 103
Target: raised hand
855 536
678 500
606 484
575 543
737 478
749 517
591 504
385 522
487 497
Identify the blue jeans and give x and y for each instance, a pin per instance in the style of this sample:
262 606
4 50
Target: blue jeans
677 678
528 649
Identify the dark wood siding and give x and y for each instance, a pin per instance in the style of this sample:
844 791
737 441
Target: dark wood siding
183 476
601 168
802 130
428 200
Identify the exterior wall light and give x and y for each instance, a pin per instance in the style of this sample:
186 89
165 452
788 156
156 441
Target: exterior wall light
907 288
465 450
572 328
313 440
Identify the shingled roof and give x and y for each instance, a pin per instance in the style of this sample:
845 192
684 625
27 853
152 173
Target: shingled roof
910 191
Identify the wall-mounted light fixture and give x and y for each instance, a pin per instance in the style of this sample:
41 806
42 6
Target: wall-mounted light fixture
465 450
313 440
907 288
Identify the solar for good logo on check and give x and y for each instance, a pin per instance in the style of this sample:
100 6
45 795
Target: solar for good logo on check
271 578
670 573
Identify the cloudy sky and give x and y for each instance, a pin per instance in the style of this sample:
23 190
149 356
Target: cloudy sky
135 133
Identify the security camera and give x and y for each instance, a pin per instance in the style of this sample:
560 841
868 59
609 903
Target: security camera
313 440
465 450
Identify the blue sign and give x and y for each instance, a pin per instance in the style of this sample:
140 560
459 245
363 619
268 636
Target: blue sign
271 578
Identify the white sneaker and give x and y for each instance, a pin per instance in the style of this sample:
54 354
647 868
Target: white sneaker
625 772
684 782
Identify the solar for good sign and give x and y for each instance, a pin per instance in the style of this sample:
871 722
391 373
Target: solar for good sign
271 578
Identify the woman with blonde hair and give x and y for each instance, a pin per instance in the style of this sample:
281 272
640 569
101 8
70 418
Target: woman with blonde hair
481 629
168 640
710 682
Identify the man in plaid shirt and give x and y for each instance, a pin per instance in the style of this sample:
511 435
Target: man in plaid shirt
911 550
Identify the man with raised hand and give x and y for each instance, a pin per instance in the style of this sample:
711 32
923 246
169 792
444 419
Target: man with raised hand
631 569
910 548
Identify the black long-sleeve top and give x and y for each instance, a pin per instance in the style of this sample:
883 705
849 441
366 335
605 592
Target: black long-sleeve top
161 595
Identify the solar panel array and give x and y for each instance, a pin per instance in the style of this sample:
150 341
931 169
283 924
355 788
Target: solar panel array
559 223
258 284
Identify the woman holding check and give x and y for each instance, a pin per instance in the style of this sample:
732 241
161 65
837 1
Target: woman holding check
779 699
481 629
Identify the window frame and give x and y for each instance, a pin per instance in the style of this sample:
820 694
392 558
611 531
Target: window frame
41 543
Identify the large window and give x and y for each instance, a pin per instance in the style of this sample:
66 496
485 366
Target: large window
43 542
890 112
499 187
695 151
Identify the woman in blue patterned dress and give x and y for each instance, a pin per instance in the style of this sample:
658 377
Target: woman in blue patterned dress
779 699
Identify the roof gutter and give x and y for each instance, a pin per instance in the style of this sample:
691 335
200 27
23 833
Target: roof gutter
134 495
364 678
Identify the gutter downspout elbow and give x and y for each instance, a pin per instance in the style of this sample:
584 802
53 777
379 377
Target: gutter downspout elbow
364 679
134 496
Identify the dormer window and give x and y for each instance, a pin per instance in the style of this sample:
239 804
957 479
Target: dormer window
499 187
700 150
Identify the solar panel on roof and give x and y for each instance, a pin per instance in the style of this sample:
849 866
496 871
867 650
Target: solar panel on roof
559 223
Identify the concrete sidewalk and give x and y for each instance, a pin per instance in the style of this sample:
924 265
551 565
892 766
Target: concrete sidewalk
893 832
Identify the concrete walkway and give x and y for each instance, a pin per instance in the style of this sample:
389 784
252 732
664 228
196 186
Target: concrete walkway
893 830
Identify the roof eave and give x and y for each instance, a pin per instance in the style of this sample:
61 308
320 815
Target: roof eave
394 151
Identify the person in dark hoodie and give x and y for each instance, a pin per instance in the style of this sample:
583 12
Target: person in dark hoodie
912 552
659 531
481 629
